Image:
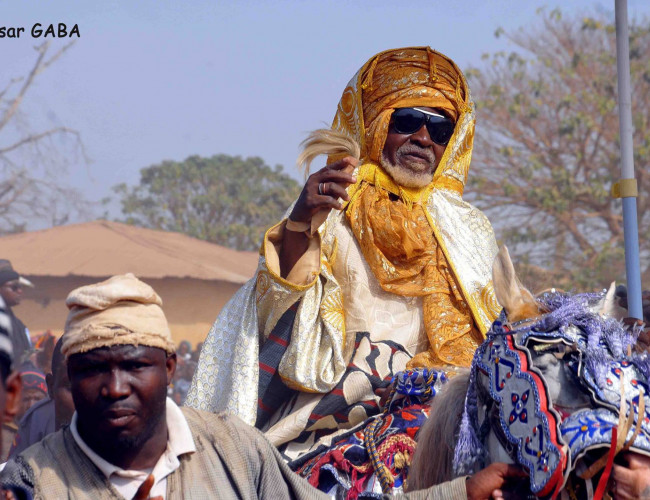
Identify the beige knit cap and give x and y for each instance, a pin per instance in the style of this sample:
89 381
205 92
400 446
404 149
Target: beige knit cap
121 310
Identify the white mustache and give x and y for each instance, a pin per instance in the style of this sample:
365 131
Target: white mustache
406 149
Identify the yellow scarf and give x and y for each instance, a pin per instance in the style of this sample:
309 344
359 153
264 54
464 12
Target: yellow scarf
397 240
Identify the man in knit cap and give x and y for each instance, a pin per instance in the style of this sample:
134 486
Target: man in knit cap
128 440
51 413
34 390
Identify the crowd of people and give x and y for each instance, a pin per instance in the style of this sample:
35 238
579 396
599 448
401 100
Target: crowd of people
187 360
316 377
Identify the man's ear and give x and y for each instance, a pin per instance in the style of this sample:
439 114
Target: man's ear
171 367
13 387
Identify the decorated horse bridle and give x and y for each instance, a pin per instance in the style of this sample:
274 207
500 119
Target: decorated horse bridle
515 400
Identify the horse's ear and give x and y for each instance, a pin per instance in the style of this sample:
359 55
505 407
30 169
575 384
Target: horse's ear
608 308
518 302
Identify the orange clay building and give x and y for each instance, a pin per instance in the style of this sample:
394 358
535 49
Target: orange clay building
194 278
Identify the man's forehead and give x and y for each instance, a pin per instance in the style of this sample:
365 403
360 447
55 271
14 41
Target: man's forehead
122 351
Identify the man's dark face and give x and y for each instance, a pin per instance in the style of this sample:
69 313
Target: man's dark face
415 155
119 393
12 292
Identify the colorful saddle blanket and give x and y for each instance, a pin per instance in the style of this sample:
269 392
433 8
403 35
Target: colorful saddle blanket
373 458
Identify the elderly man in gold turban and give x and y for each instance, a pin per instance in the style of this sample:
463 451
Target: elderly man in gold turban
379 267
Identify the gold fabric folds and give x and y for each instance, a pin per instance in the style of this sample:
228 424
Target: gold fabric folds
391 222
397 242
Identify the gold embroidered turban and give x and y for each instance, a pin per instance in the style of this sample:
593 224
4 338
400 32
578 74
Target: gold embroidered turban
119 311
398 78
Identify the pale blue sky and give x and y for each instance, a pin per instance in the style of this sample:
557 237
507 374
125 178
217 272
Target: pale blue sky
151 80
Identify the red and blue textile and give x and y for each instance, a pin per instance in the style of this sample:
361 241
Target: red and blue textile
380 449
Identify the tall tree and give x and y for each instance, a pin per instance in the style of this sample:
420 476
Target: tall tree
547 147
223 199
31 160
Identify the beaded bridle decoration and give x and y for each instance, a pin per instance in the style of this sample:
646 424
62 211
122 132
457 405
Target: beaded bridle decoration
514 395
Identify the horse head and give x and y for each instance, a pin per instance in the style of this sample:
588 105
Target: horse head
554 386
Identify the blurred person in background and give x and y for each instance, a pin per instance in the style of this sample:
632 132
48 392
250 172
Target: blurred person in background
184 351
184 371
11 290
43 351
9 389
34 389
196 353
51 413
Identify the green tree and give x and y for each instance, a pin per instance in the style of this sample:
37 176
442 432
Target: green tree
547 147
223 199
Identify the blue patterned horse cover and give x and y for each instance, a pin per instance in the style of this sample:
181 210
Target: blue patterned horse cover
550 441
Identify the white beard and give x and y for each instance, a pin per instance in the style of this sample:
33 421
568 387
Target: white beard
410 178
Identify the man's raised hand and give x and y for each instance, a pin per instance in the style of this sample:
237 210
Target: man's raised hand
320 195
323 189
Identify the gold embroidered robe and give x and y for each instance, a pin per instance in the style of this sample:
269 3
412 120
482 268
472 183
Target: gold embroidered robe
337 292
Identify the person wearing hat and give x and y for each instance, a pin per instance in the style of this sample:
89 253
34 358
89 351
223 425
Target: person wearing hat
128 440
11 290
49 414
10 388
34 389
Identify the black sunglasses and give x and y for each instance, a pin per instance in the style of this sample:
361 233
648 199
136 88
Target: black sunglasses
410 120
